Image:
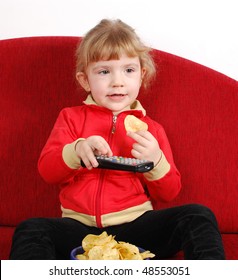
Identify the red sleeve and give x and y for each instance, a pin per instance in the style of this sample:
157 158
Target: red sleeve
51 165
167 187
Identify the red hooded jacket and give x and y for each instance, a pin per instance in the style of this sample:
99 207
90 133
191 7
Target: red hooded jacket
102 197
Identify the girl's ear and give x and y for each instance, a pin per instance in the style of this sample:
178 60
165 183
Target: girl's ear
83 81
143 71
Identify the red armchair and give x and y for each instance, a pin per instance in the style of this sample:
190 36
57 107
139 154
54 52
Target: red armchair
197 106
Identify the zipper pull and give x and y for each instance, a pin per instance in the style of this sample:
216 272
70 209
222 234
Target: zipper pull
114 120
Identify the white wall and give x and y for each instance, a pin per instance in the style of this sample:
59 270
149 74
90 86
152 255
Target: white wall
205 31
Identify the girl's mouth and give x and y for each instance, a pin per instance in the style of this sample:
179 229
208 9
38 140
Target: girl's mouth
116 96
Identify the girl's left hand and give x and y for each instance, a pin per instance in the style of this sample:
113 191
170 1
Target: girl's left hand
146 146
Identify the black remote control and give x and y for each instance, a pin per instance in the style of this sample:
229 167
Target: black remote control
123 163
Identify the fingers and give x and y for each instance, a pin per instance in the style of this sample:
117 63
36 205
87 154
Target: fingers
101 148
141 137
88 148
140 152
90 160
145 146
142 142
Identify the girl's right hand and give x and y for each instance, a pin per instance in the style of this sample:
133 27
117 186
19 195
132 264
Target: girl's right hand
91 146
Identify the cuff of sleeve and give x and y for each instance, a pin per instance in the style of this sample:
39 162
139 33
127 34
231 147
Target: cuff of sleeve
159 171
69 155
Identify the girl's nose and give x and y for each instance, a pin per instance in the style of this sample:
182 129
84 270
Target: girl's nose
117 80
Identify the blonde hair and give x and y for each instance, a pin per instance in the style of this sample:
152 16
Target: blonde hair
107 41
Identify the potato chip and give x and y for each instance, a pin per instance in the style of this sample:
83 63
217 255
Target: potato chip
82 257
134 124
147 255
128 251
92 240
103 253
105 247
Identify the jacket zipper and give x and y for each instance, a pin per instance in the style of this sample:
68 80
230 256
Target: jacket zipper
101 179
98 199
114 121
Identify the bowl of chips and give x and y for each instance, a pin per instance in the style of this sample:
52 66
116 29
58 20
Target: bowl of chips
105 247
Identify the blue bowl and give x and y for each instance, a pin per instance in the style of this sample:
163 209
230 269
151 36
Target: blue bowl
75 252
80 250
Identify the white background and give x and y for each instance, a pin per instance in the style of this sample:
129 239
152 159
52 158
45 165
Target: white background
205 31
40 270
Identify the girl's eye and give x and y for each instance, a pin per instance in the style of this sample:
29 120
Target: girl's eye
103 72
129 70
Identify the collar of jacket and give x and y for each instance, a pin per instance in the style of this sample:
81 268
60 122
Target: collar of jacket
136 105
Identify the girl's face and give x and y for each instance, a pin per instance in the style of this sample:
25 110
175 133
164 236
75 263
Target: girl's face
114 84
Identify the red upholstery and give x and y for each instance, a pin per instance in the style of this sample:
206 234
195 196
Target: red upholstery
196 105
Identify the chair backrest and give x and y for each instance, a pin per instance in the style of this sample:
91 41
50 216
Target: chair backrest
37 79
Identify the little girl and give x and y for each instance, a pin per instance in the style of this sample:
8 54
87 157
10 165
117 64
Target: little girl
112 65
